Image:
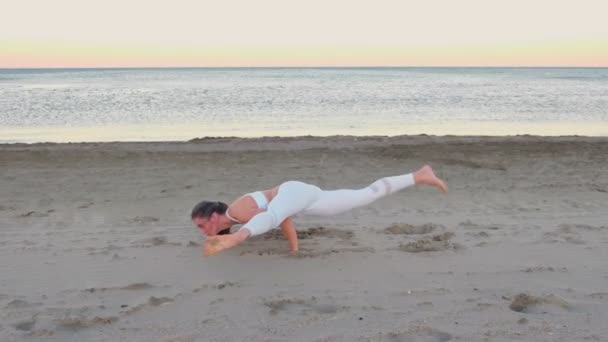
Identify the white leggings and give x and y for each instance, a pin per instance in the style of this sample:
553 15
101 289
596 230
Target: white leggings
295 197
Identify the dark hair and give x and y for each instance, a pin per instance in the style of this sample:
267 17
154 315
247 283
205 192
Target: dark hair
206 208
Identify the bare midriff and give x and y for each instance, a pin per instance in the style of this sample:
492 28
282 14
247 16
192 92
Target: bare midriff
245 208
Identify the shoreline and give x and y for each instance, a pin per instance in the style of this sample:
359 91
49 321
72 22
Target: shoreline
330 129
355 139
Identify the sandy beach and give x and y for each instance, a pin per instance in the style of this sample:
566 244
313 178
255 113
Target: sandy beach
96 242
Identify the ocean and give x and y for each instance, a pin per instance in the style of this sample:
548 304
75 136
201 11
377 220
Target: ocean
164 104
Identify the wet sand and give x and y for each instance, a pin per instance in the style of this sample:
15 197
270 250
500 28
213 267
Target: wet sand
96 242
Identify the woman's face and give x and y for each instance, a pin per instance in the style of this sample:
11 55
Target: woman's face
207 225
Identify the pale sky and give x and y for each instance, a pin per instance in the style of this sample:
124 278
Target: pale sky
137 33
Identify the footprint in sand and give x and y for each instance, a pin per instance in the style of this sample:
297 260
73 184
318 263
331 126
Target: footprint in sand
7 208
154 242
152 301
435 243
20 304
418 335
425 305
468 224
312 233
475 165
599 295
536 269
219 286
565 233
33 214
193 244
302 306
134 286
311 238
566 227
86 205
312 241
408 229
575 233
25 325
83 322
308 253
156 301
531 304
143 219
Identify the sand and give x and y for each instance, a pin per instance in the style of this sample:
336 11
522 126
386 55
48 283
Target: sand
96 242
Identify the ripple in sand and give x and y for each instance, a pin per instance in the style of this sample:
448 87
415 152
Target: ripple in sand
408 229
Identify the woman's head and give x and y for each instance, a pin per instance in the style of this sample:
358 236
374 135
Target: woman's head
206 215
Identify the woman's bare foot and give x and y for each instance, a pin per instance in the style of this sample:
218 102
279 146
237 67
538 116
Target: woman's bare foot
426 176
216 244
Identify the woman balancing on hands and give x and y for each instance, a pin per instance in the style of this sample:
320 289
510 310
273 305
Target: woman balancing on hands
264 210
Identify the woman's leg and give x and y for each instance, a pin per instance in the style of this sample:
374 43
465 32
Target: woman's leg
292 197
339 201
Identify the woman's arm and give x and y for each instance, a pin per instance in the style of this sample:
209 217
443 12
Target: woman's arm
289 231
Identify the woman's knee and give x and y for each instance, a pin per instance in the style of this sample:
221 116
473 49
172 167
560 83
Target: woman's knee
262 222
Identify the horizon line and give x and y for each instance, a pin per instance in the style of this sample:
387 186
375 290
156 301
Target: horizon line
307 67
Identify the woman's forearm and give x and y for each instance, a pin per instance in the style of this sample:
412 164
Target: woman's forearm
289 231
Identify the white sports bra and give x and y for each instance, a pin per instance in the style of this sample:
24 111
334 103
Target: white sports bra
259 198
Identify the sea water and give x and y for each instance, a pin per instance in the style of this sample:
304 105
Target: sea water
126 104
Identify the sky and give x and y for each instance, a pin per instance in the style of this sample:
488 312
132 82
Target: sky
243 33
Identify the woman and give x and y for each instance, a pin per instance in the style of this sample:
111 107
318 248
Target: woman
261 211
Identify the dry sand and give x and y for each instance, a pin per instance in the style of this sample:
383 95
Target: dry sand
96 242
